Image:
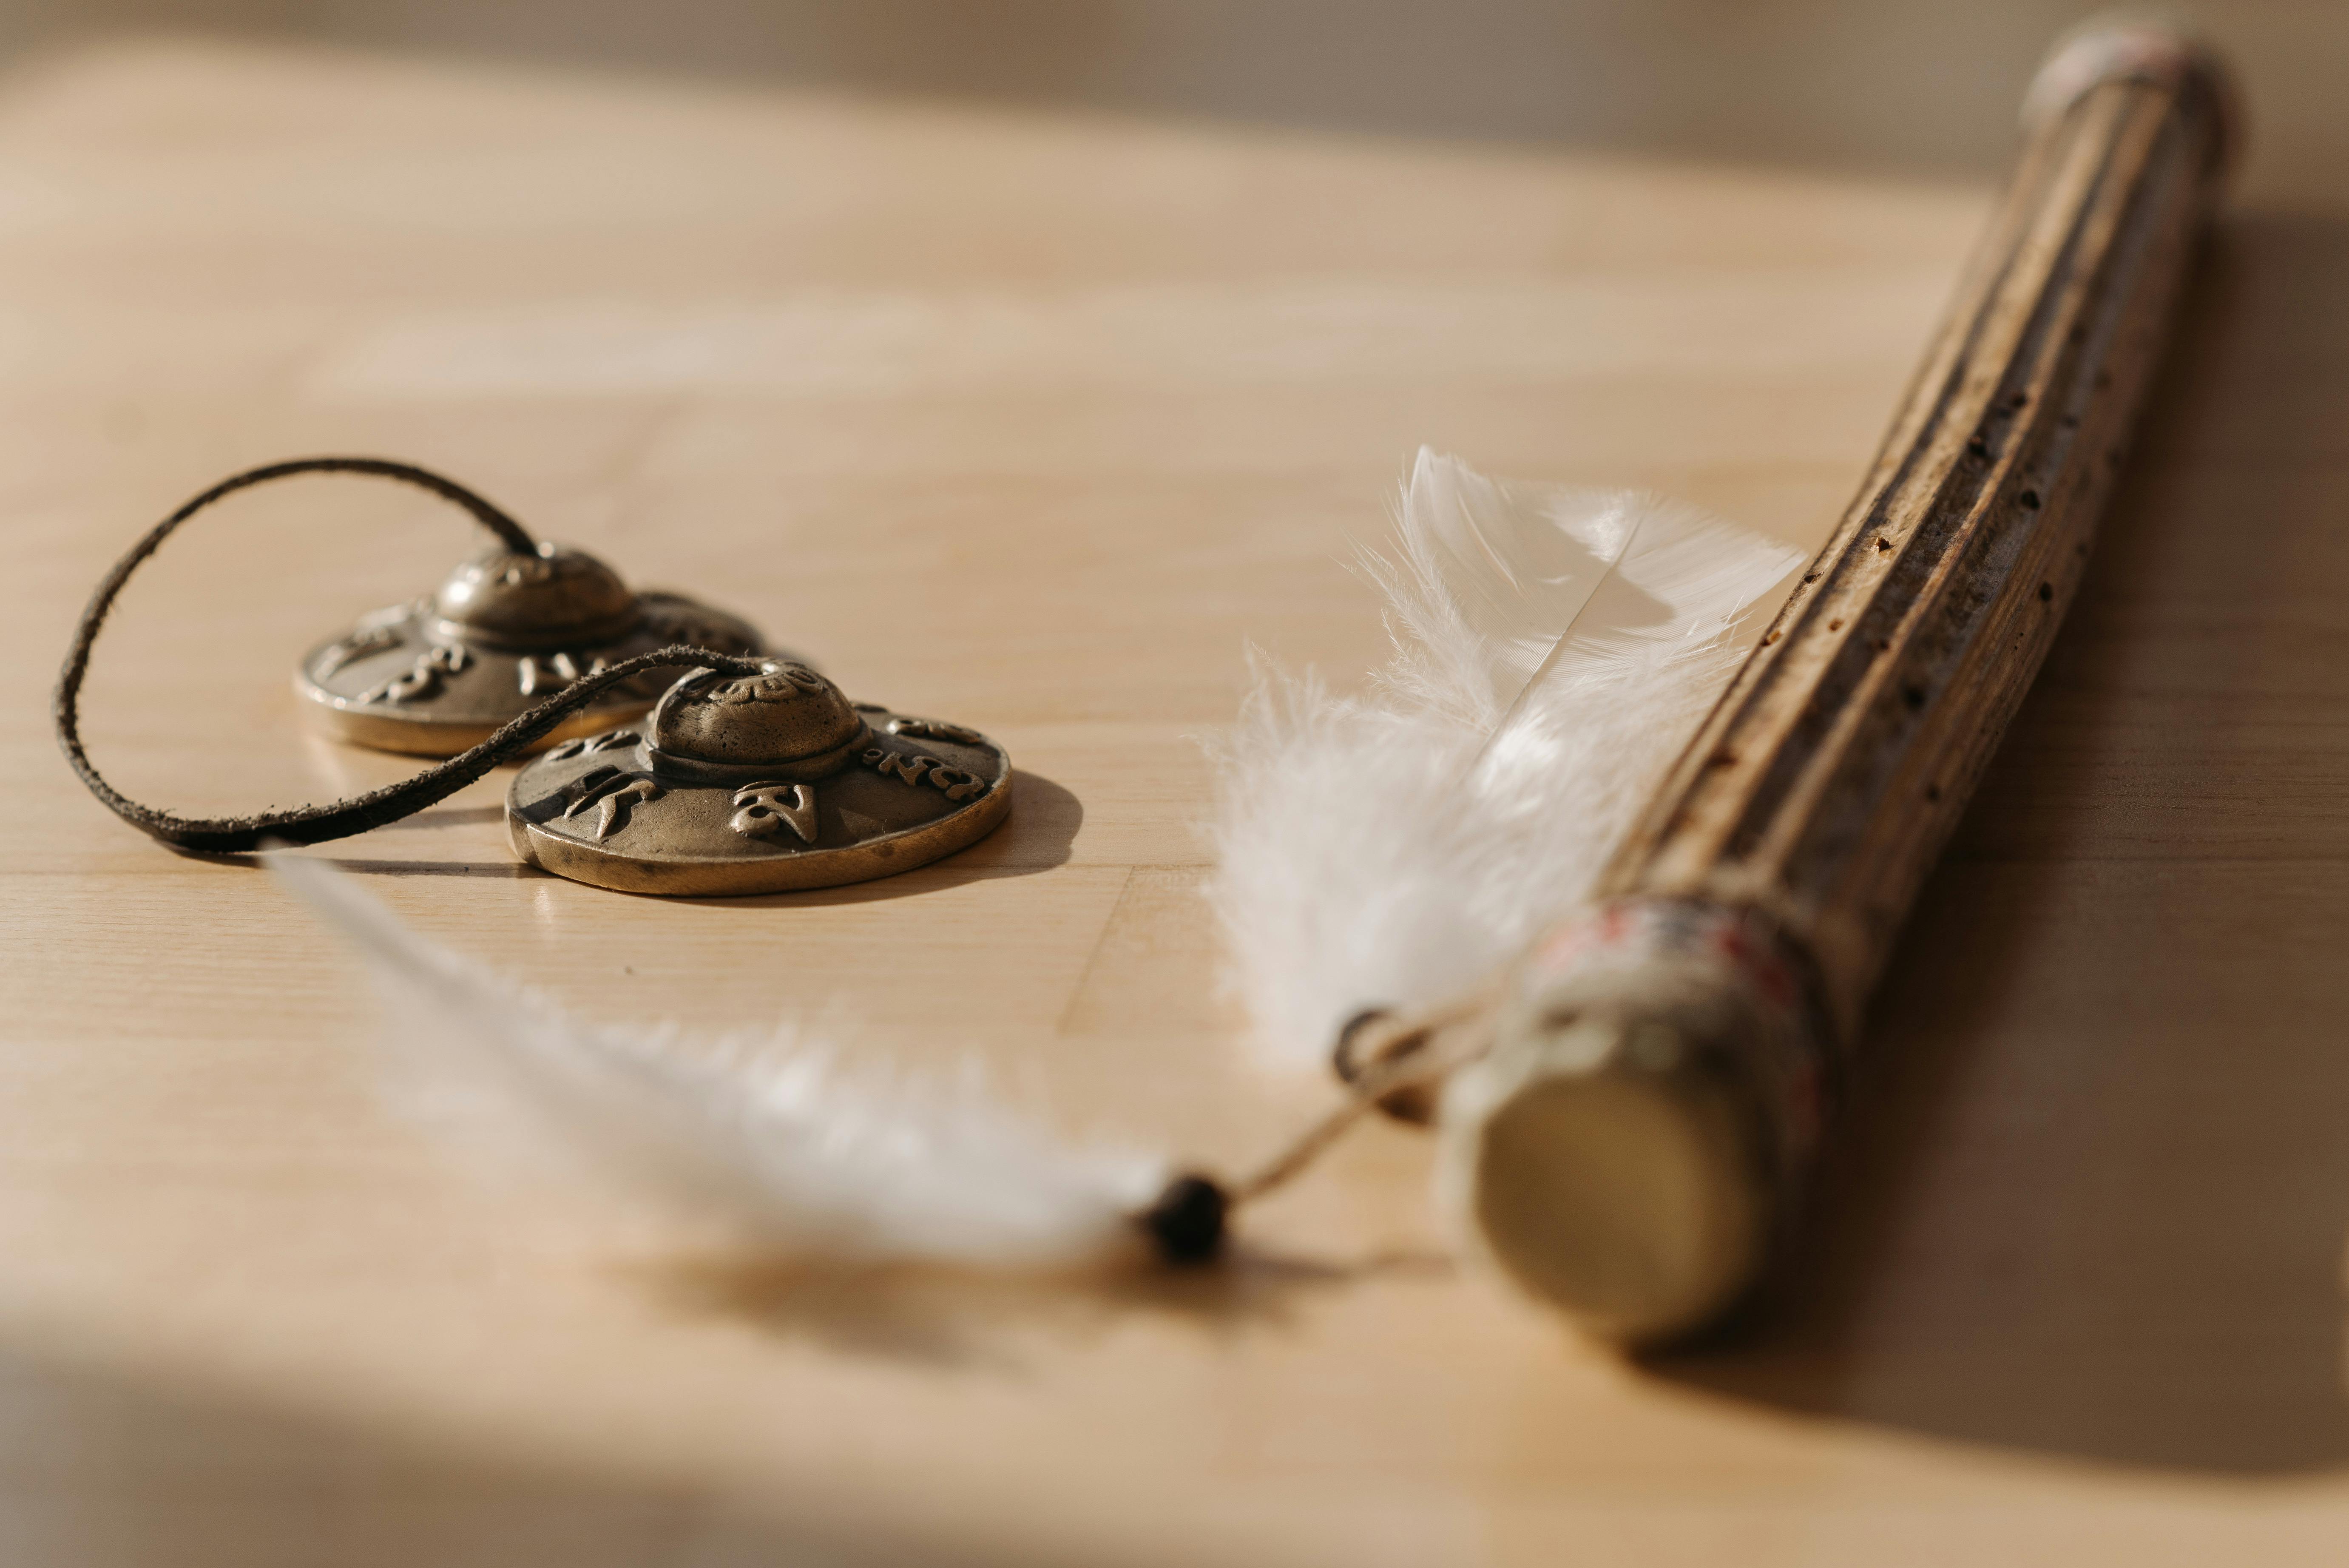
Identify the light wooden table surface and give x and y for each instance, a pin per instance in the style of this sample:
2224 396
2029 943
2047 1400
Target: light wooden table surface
1033 421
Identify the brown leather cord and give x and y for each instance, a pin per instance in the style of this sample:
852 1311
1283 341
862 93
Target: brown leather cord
358 813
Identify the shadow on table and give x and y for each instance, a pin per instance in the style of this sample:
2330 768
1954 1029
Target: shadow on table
104 1470
2092 1196
134 1471
1038 836
931 1317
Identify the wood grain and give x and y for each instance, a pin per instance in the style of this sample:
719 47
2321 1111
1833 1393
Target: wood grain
2079 1305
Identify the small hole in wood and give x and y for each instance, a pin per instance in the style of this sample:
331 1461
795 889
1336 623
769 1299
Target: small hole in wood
1978 448
1810 576
1916 695
2030 500
2047 592
1933 792
1883 544
1835 625
2018 400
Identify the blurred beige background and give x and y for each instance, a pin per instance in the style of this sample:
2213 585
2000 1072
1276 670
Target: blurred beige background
1880 84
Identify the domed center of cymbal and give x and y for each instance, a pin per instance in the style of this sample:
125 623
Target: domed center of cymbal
558 597
787 719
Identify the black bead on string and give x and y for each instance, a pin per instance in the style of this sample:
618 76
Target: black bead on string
1188 1221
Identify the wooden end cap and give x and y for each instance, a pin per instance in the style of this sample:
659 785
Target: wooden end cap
1630 1198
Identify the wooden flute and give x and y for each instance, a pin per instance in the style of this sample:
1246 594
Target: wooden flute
1643 1093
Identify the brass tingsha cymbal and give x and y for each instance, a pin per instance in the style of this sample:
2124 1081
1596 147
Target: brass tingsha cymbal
757 784
506 630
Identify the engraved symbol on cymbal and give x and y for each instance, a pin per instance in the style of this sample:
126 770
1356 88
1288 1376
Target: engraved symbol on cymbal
936 730
614 793
357 645
763 810
783 680
958 784
589 745
423 678
559 671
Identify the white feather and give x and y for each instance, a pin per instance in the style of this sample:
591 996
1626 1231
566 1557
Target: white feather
804 1152
1554 649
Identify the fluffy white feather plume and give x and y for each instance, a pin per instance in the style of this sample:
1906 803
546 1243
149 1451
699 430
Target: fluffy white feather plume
804 1152
1554 649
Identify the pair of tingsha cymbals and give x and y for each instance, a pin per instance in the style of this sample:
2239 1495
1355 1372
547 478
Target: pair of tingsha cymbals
679 781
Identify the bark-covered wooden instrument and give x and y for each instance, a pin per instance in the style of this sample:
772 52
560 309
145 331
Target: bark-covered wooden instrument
1649 1083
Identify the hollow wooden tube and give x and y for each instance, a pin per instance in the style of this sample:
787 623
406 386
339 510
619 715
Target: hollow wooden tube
1659 1073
